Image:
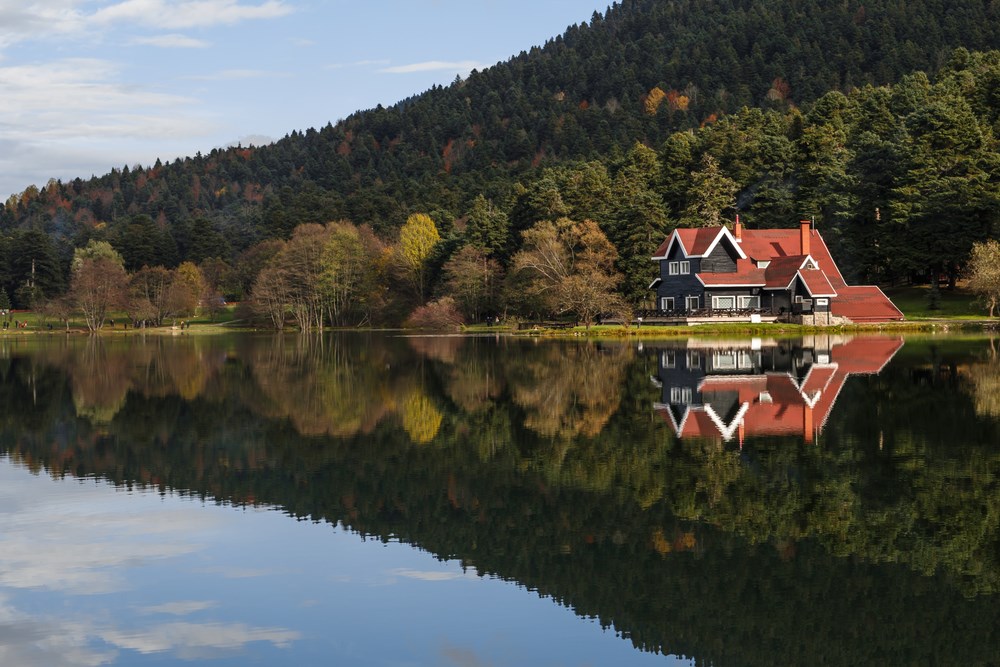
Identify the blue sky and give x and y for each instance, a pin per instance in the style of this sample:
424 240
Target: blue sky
87 85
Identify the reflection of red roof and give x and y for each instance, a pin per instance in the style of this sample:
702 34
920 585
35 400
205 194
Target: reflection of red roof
778 404
864 303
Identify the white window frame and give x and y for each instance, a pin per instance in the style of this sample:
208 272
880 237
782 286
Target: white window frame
685 268
688 300
682 395
798 298
673 268
716 300
666 303
821 301
745 302
668 359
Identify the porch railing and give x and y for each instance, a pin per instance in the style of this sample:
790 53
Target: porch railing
701 312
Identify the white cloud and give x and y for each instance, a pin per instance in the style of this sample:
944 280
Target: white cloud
21 21
75 538
81 539
172 41
179 608
187 14
49 97
433 66
197 640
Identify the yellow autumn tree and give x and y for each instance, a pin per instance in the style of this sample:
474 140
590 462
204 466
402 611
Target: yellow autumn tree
417 239
654 98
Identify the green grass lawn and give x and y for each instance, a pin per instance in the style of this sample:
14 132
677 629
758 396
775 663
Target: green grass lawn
914 301
37 322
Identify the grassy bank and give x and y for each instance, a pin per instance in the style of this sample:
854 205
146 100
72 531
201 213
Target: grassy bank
117 323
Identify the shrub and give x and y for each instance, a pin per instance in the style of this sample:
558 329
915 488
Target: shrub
440 315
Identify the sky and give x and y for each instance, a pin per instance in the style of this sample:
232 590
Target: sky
87 85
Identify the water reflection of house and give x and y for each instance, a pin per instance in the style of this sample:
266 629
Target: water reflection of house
714 389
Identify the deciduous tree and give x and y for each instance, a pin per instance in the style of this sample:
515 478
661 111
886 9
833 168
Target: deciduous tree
417 239
98 282
185 292
474 280
569 268
984 273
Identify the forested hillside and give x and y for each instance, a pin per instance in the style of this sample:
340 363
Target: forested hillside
654 114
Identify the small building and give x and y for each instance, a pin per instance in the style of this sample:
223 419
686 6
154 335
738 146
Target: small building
784 274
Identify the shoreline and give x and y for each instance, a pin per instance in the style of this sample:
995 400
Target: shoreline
942 325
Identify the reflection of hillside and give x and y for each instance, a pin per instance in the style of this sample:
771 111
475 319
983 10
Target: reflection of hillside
860 547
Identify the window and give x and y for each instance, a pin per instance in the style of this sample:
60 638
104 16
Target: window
798 298
673 267
681 394
692 302
666 303
749 302
694 359
685 268
668 359
723 302
732 360
822 302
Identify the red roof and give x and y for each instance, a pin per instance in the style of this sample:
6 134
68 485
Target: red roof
817 283
864 303
694 241
782 270
747 273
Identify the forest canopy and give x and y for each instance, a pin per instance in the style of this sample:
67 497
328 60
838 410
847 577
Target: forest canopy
877 120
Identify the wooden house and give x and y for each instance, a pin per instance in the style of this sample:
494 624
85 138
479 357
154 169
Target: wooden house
779 273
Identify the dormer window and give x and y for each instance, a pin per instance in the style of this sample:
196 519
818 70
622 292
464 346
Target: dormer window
810 265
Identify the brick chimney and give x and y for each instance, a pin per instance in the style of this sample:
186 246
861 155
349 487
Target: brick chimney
738 230
805 232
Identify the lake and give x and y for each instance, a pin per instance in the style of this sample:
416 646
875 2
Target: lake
379 499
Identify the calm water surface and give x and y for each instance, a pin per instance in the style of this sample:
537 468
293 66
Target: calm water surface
384 500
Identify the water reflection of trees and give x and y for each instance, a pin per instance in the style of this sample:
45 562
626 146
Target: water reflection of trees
567 390
686 546
985 378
